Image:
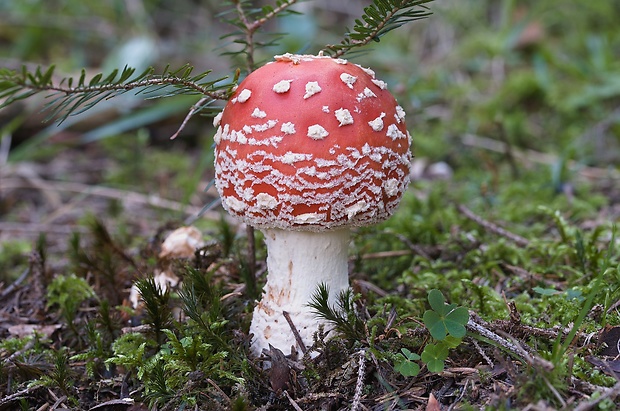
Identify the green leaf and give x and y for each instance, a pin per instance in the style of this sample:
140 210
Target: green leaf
405 364
434 356
95 80
407 368
46 78
82 77
128 72
435 325
436 300
452 342
410 355
455 322
545 291
444 318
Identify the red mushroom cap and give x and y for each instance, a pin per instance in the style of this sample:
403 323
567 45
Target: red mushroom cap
311 143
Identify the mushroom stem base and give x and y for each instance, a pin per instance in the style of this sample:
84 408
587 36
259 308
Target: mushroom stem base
297 262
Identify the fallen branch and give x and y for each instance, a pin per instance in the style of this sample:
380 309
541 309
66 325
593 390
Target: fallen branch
606 393
292 401
359 385
516 328
8 290
531 156
512 347
127 197
501 342
386 254
494 228
220 391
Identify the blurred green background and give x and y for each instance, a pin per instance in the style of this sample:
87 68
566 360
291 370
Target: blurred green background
541 75
491 88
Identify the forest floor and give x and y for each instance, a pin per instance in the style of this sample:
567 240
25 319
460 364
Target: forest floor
540 333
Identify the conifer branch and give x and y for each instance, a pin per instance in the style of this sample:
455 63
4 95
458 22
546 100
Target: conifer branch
343 316
378 19
71 96
271 12
250 26
249 35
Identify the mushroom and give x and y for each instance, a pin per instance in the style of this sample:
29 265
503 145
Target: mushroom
307 147
182 243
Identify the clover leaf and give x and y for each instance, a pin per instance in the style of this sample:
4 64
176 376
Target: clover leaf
434 356
444 319
405 363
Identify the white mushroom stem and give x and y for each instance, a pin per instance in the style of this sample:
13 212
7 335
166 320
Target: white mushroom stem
297 262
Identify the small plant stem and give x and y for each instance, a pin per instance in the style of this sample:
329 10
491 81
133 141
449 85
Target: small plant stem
554 391
456 402
273 13
413 247
482 353
513 348
59 401
517 328
386 254
374 34
510 156
71 323
358 43
16 396
8 290
220 391
195 109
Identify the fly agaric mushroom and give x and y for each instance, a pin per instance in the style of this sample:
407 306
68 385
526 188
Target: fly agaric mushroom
307 147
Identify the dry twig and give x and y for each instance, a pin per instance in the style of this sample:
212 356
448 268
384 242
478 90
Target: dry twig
606 393
300 342
128 197
501 342
195 109
531 156
16 396
219 391
494 228
292 402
